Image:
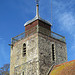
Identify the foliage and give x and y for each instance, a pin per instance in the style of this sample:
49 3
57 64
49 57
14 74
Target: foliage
5 69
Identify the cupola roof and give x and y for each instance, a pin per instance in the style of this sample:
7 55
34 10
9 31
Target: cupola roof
37 18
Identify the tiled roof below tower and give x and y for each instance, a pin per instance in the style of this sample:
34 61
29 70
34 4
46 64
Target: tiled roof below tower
67 68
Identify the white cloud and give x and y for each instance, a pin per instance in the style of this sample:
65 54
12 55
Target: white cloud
68 22
64 13
65 16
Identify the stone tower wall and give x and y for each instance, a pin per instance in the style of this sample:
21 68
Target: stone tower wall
45 60
61 52
29 63
45 52
38 57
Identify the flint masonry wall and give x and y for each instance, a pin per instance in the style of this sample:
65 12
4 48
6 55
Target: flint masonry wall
29 63
61 52
38 57
45 52
44 55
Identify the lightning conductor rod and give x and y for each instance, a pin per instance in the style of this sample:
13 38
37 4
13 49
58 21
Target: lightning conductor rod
37 8
51 13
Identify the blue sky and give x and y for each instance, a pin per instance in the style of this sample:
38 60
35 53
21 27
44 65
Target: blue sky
14 13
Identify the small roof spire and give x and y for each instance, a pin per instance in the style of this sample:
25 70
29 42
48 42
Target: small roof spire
37 2
37 15
37 8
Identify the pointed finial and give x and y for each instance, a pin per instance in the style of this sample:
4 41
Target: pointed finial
37 8
37 2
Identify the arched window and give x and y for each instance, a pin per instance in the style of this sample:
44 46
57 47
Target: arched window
53 55
23 73
24 49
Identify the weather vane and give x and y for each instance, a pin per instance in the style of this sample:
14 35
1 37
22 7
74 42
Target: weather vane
37 1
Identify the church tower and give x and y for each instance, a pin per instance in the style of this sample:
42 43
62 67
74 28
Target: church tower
37 49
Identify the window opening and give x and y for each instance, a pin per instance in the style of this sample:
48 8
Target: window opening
53 56
23 73
24 49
